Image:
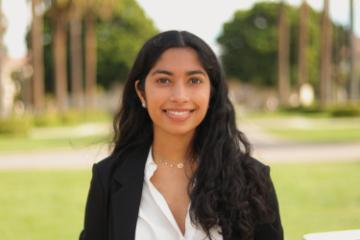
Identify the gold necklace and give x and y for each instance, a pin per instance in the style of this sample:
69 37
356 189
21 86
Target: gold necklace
166 163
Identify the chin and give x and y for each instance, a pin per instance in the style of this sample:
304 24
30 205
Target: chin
181 132
178 130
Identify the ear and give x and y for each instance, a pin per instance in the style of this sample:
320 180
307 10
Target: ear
140 92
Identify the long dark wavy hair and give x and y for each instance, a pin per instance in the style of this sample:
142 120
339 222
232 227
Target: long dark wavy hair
228 190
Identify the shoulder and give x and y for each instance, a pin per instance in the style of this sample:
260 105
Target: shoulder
261 173
258 165
103 169
272 227
105 166
122 165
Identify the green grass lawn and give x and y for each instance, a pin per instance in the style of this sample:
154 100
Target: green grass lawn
305 128
42 205
318 197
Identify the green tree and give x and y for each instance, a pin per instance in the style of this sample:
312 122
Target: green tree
118 40
249 44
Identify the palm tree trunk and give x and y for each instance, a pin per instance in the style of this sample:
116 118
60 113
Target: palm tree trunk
59 50
2 110
90 60
283 56
354 84
76 61
37 51
325 61
302 51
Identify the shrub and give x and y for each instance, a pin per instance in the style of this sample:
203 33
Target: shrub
71 117
96 116
313 109
345 111
15 126
47 119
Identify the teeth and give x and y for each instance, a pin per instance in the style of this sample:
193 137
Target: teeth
178 113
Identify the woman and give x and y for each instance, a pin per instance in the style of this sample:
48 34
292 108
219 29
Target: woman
180 169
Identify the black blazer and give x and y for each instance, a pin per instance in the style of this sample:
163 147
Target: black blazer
114 199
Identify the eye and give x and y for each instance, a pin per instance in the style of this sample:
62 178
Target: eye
195 80
163 80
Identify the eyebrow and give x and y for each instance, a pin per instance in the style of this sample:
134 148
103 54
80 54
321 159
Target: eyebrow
192 72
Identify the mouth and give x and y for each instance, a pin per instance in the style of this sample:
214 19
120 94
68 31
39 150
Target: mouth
178 114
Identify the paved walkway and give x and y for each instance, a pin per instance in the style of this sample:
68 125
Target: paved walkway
266 148
58 159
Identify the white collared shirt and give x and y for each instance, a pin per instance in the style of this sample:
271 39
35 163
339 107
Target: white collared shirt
156 221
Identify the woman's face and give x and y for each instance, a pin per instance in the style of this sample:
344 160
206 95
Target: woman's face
177 92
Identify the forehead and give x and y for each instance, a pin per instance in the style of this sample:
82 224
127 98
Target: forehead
178 59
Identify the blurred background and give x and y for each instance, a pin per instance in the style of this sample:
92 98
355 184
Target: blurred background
293 69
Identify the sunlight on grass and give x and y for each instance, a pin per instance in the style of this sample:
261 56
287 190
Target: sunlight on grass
307 129
39 205
317 135
318 197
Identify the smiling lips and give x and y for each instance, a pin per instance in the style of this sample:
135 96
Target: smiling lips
178 115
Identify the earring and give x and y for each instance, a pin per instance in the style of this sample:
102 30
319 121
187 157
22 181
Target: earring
143 104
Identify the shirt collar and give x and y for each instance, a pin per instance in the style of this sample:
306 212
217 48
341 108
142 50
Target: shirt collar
150 166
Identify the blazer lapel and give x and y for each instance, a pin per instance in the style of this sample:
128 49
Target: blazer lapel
125 200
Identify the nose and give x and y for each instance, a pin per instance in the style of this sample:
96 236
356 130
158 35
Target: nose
179 93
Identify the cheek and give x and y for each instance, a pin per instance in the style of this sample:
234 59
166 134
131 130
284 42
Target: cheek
203 97
154 102
203 100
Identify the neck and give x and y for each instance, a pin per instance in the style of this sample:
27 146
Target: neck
172 148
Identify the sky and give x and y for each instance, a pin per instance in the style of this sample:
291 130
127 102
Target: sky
201 17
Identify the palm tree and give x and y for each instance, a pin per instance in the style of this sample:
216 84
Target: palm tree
283 55
302 50
102 8
90 59
325 61
354 84
37 53
59 14
76 53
